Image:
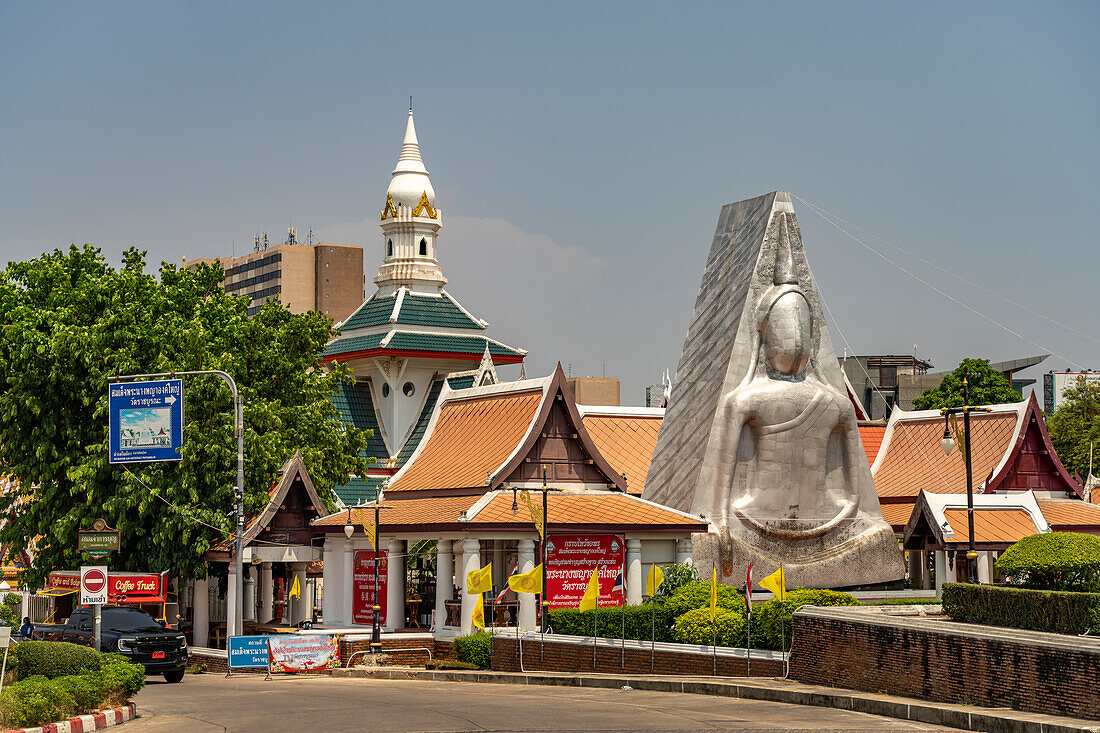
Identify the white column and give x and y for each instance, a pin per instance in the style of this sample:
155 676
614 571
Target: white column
200 612
267 594
634 572
330 575
527 600
395 584
298 611
444 577
985 564
925 573
941 571
499 571
347 584
231 603
471 560
249 593
683 550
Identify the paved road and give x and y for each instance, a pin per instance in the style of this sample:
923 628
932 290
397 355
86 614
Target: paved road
207 703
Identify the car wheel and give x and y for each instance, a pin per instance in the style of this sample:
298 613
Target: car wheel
175 675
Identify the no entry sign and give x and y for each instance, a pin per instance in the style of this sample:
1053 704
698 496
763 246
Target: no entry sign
93 585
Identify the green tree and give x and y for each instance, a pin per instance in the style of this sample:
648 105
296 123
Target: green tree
68 321
986 385
1075 425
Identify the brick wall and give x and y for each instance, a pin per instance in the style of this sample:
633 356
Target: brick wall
567 656
392 646
947 662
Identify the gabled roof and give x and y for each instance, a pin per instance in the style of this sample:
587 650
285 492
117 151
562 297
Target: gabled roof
419 343
1010 451
355 404
402 306
625 436
1071 515
569 510
480 437
871 435
999 519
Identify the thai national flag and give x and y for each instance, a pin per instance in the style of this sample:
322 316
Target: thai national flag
620 586
505 589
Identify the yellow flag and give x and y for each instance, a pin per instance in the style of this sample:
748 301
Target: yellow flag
713 594
529 582
371 530
653 580
536 512
479 613
480 580
295 589
776 583
591 597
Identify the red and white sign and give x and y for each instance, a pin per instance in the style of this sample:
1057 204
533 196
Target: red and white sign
302 653
121 587
93 585
570 560
362 581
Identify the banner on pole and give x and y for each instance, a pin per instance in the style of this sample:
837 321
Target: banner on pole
303 653
362 600
570 559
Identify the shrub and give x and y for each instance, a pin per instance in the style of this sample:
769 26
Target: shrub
696 594
641 622
121 678
674 577
474 649
771 622
33 701
1058 612
694 627
87 691
54 659
12 600
1054 561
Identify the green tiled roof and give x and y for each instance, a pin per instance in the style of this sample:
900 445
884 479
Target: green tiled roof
421 426
373 312
360 490
420 310
461 382
354 403
412 341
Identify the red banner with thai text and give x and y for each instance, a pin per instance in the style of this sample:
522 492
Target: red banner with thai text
362 601
570 560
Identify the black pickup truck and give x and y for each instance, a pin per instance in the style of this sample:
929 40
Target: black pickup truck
130 632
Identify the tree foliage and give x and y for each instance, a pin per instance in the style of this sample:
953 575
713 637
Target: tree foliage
1054 561
1075 425
985 385
68 322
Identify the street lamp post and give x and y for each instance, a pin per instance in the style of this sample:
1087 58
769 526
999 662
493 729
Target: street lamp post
376 621
948 444
544 621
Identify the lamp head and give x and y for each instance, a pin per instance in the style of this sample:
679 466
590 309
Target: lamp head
947 442
348 529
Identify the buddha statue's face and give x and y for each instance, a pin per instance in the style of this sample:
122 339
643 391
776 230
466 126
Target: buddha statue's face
787 335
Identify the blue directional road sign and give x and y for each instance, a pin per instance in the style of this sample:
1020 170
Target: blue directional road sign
146 421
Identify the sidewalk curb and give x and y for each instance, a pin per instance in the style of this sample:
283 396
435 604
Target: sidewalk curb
85 723
1002 720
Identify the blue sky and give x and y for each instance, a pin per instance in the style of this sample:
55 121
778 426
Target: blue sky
581 153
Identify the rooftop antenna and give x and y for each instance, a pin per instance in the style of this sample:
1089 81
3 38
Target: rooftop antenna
410 103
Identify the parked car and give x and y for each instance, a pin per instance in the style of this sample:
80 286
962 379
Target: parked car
130 632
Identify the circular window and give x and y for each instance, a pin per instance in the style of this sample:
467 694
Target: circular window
408 388
385 390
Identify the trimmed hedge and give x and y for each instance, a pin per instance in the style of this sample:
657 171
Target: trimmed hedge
474 649
1054 561
766 618
675 576
610 622
696 594
54 659
694 627
1058 612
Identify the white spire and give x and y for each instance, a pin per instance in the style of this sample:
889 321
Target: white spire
410 177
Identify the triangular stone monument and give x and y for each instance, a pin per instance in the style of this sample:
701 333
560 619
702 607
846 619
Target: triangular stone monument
759 437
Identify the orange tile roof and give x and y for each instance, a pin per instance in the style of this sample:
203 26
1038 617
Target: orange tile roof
470 439
991 525
915 461
602 508
1070 513
429 510
627 442
897 515
872 440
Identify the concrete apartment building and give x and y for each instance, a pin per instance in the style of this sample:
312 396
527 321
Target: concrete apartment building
322 277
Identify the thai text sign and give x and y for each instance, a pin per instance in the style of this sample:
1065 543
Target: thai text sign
145 421
363 601
98 544
246 652
131 585
302 653
570 560
93 585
